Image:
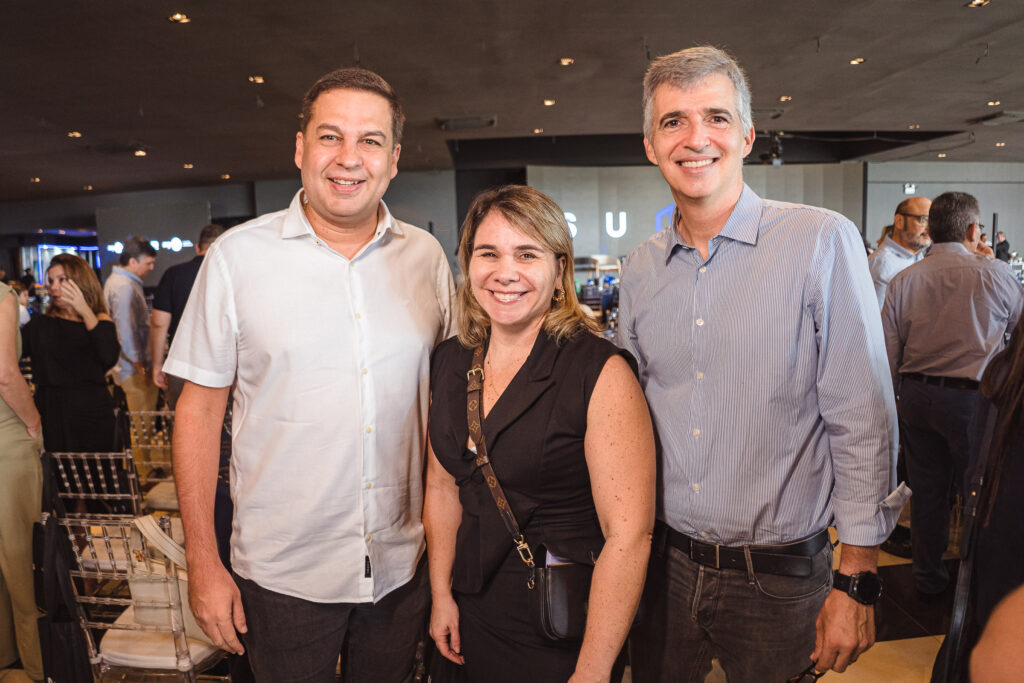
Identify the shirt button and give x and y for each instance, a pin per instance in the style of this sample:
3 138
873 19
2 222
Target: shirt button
365 371
703 269
696 487
369 485
696 432
369 429
703 534
700 321
367 537
700 375
358 316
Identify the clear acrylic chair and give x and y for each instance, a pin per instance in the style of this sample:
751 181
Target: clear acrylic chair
133 609
97 483
151 432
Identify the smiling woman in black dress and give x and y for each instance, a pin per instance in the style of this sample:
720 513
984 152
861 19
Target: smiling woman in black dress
71 348
569 437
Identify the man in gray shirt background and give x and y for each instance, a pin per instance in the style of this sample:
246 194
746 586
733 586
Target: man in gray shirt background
944 319
904 247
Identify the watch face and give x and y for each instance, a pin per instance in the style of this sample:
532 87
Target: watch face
867 587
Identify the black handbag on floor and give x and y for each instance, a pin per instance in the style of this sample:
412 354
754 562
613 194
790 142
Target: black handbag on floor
61 638
559 593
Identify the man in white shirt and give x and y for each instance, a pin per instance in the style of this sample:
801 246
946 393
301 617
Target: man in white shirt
904 247
330 368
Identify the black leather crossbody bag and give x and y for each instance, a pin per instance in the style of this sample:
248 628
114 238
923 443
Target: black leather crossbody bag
559 593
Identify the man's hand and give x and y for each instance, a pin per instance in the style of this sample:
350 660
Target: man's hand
217 605
444 628
159 377
845 630
984 250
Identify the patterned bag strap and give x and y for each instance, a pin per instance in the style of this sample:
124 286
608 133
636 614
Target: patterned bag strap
474 400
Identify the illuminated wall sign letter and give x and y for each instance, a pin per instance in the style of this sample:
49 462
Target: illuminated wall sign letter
609 225
570 218
663 218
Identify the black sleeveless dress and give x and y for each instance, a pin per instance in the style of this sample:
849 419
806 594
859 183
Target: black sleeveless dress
534 434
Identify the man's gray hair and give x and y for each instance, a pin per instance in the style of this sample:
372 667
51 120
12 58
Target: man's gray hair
950 216
688 68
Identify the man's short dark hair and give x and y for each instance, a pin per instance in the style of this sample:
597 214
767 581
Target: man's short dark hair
356 78
136 248
208 234
952 213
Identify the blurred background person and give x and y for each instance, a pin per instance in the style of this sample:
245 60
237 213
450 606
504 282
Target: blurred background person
72 347
20 492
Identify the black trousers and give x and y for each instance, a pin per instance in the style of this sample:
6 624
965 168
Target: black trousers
933 424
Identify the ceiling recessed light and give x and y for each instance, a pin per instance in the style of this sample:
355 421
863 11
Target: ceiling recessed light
33 179
225 176
857 60
255 79
74 134
914 126
549 103
188 166
566 61
179 18
1000 144
994 103
538 131
785 98
977 3
87 188
139 152
942 155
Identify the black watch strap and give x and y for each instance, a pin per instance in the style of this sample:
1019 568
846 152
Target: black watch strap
864 587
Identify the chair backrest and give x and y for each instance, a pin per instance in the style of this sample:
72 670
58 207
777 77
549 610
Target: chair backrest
124 583
106 483
150 439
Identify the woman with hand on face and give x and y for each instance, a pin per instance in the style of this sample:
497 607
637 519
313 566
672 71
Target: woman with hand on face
569 436
71 348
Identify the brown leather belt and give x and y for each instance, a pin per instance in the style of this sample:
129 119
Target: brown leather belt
789 559
948 382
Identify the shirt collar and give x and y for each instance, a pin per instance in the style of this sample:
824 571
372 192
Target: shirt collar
948 248
890 243
296 224
742 226
127 273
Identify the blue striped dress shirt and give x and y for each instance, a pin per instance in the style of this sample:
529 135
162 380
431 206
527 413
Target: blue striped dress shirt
767 378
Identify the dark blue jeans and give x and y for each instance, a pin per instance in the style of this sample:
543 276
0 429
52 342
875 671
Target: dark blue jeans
291 640
933 431
759 626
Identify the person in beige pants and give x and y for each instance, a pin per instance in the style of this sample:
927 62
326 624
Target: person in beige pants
20 492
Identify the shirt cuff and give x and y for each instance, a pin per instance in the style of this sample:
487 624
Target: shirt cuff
196 375
869 524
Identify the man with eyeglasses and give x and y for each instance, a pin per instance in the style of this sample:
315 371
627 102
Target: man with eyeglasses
944 319
904 247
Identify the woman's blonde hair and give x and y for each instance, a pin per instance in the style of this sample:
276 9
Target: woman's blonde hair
540 218
82 273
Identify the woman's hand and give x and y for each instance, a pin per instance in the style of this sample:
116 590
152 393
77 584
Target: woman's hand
444 628
74 297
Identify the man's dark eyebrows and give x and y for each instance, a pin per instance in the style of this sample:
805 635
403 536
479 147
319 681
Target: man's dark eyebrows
330 127
718 111
668 116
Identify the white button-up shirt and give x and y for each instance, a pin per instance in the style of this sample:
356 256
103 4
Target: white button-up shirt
332 362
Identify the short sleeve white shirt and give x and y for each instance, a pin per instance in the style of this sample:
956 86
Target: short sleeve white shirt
331 363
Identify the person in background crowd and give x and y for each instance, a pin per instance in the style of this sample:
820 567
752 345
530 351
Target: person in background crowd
126 301
774 412
331 368
23 313
29 280
21 484
905 246
1002 247
72 347
168 305
557 400
944 319
886 232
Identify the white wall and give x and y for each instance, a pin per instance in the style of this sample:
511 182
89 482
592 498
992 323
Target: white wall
999 189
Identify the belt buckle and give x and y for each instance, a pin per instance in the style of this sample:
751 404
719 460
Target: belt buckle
717 563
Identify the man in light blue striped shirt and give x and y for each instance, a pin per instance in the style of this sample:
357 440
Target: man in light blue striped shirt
761 353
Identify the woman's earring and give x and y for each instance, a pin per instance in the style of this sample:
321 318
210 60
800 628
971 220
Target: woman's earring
559 296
